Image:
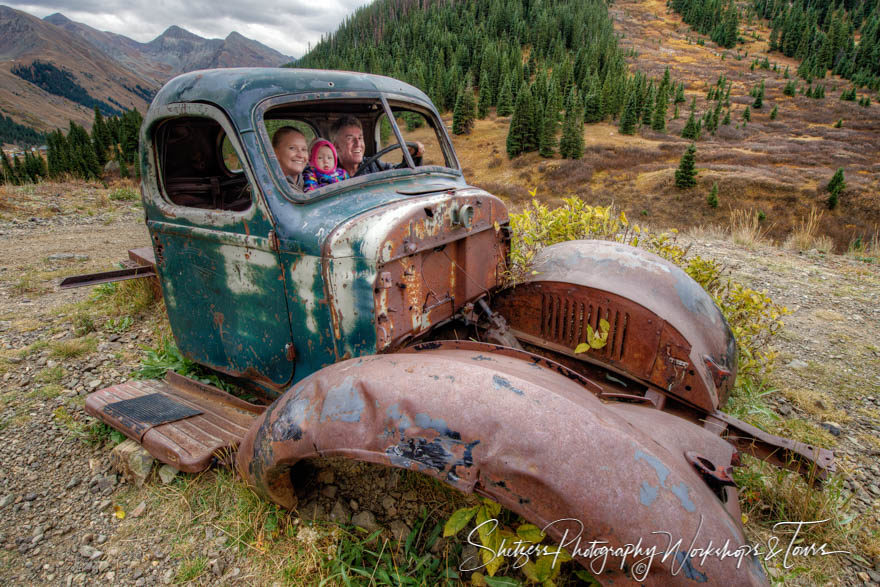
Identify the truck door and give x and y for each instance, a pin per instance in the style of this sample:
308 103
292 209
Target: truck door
213 239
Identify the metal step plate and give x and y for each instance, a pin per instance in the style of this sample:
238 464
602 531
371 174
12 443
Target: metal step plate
212 429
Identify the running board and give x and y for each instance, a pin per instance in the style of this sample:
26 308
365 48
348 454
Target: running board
180 421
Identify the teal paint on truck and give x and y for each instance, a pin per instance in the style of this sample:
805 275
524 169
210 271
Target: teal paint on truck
264 294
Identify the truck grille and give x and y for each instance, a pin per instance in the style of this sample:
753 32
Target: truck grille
564 320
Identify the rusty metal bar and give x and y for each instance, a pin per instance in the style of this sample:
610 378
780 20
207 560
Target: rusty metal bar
107 276
812 462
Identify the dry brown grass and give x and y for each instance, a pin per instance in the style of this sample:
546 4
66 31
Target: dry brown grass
746 228
805 235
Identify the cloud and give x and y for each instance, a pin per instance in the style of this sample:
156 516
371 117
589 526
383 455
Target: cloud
288 26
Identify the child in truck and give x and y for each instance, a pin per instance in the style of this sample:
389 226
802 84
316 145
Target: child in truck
323 168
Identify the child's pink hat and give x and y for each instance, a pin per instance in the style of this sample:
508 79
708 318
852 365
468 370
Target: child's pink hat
313 153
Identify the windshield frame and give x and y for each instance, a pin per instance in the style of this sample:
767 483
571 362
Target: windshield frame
386 99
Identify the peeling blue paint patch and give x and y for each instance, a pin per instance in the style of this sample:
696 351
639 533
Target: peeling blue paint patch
690 572
501 383
648 493
403 421
343 403
660 468
481 358
681 492
289 424
437 424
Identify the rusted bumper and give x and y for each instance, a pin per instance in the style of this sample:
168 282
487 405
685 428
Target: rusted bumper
526 435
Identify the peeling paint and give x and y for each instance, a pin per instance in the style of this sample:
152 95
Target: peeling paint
500 382
343 403
647 493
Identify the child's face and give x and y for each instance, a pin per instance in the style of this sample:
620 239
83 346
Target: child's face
324 158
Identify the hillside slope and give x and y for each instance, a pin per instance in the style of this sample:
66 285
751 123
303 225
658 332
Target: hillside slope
25 38
778 167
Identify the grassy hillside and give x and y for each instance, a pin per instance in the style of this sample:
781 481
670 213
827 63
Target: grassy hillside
777 169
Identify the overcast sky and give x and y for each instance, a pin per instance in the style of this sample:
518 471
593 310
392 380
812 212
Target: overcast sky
287 26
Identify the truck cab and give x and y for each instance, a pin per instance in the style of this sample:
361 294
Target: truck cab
268 284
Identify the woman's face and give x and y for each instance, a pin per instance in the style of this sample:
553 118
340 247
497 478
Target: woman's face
292 153
324 159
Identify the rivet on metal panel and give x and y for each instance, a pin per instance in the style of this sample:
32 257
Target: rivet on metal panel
385 280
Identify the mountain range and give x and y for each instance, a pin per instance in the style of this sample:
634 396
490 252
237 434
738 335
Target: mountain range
78 66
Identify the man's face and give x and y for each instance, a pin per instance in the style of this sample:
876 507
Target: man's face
350 146
292 153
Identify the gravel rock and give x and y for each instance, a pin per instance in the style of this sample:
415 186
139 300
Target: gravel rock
339 513
832 427
399 530
366 520
167 473
90 552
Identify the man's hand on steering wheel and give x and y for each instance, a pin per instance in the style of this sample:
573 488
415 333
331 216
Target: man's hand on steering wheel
416 149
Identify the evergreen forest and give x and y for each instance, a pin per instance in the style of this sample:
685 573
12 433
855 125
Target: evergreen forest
78 153
18 134
840 36
61 82
547 64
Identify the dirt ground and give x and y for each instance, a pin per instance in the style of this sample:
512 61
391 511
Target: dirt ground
59 497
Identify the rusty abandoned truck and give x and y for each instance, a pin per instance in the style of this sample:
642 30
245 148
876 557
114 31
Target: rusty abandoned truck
374 316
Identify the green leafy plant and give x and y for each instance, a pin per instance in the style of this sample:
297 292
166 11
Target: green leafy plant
119 325
495 536
165 356
595 339
123 195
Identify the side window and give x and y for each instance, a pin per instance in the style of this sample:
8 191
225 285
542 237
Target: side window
199 167
415 127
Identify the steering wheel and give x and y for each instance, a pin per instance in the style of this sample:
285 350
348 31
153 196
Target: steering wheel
378 155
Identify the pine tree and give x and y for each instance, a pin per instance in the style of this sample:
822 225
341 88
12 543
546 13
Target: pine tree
123 168
572 144
465 111
686 174
679 94
835 187
691 130
747 114
759 96
774 113
518 134
648 106
17 171
100 137
6 173
484 101
592 107
505 99
658 120
712 198
547 140
629 118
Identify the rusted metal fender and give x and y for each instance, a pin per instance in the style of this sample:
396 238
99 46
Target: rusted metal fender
528 436
665 329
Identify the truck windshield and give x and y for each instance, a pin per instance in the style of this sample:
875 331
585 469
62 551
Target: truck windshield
318 146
